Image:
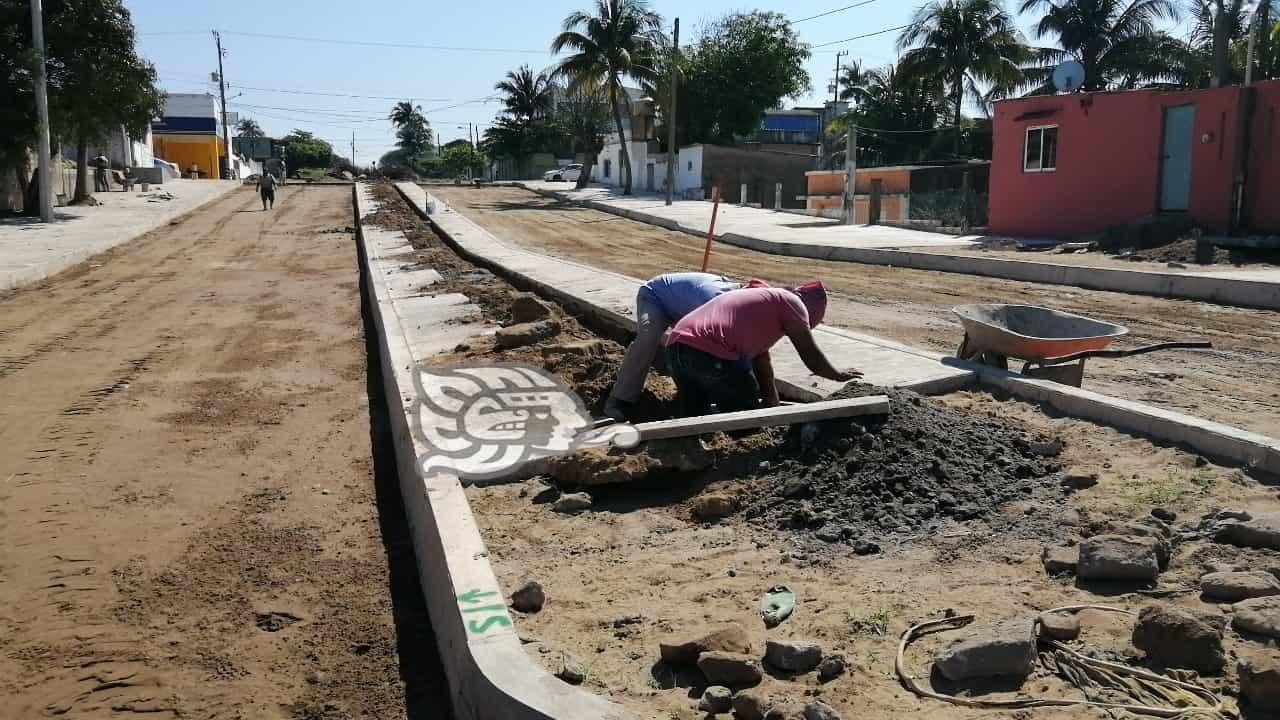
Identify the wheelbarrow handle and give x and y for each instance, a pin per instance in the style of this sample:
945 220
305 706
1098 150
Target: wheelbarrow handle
1184 345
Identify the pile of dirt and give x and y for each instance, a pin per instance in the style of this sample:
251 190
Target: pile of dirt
905 473
1182 250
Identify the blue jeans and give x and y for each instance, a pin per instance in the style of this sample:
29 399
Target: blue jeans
703 380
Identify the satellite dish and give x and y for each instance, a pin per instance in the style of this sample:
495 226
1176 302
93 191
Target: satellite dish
1068 77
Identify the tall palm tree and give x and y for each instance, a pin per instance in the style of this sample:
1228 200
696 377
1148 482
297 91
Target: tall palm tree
618 39
968 44
853 81
1117 41
527 95
893 101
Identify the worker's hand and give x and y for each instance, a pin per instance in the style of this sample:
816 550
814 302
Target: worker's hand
847 375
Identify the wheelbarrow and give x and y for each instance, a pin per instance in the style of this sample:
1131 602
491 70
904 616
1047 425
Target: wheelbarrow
1053 344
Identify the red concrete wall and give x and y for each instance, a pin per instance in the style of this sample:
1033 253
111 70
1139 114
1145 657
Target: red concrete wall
1108 164
1262 194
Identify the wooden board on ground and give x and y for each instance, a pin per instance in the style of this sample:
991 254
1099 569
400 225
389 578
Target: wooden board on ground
764 417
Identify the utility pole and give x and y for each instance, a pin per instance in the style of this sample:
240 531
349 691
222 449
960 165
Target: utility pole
42 113
823 119
672 155
224 172
851 169
353 150
1253 40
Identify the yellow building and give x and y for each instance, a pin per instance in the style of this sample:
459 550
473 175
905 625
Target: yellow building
190 133
185 150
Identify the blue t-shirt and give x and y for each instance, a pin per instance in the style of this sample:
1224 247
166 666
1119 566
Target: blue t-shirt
682 293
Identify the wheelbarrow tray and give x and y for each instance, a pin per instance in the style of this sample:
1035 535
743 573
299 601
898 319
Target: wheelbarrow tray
1032 333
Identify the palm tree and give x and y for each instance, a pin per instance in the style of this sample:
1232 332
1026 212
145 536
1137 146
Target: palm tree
528 96
967 44
413 132
248 127
1117 41
853 81
893 101
617 40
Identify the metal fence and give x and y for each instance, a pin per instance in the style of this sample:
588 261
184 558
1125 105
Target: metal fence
950 208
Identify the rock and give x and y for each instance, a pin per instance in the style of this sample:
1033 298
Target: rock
716 699
712 507
1232 515
1004 648
727 668
1258 615
572 502
785 712
731 638
1136 529
529 598
315 677
1176 638
831 667
514 336
571 671
1164 514
1047 448
1080 481
798 656
584 348
682 454
1060 625
1237 586
796 488
1260 681
830 533
1118 557
865 547
1059 559
526 308
1259 532
750 705
818 710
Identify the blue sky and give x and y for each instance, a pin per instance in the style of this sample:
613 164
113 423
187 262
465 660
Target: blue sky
449 84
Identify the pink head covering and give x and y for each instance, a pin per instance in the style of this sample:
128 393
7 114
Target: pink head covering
814 297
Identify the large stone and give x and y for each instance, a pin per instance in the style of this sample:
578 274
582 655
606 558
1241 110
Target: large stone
730 669
1259 532
1003 648
1118 557
515 336
831 667
570 670
1259 615
1237 586
731 638
1164 550
529 598
797 656
818 710
526 307
1060 559
750 705
1260 681
1178 639
716 699
1060 625
785 711
712 507
572 502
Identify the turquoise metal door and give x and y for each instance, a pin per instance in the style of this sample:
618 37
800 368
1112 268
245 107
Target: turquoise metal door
1175 163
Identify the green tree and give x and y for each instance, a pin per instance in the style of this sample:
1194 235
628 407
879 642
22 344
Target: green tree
248 127
972 46
619 39
526 95
894 107
303 149
853 81
583 114
1118 42
742 65
461 159
413 132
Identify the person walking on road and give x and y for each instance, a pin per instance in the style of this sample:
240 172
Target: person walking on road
100 166
660 303
719 353
267 188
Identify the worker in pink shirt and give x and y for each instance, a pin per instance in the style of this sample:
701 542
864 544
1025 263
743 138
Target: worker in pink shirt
718 354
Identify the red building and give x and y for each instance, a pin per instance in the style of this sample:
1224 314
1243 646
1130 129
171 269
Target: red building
1065 165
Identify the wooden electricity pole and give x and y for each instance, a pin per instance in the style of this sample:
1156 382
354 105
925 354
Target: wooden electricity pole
672 155
222 93
851 168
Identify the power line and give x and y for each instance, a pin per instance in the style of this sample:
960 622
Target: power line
293 91
859 37
305 111
831 12
370 43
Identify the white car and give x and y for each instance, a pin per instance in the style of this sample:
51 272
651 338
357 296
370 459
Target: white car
568 173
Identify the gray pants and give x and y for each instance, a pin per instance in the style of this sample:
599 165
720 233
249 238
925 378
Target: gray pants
651 323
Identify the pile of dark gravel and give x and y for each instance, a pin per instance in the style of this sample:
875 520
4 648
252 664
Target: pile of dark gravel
907 473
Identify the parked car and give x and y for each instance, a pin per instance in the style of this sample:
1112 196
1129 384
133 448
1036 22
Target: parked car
568 173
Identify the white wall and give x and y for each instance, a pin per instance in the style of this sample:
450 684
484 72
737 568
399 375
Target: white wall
689 170
191 105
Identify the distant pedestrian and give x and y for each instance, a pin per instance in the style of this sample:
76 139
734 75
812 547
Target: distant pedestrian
100 182
267 188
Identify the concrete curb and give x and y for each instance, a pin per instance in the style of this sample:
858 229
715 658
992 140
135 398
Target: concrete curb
1222 291
489 674
32 274
1216 440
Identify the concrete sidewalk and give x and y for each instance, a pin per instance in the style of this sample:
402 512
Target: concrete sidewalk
800 236
30 251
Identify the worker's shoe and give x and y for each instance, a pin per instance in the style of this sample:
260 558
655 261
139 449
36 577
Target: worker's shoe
616 409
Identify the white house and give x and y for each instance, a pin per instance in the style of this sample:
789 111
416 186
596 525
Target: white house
648 163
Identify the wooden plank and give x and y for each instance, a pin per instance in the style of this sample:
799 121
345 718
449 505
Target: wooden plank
764 417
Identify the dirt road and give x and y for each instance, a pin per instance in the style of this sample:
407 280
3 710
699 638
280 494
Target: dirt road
1235 383
198 512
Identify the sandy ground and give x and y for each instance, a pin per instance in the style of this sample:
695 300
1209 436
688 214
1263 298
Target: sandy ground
198 510
1235 383
636 569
